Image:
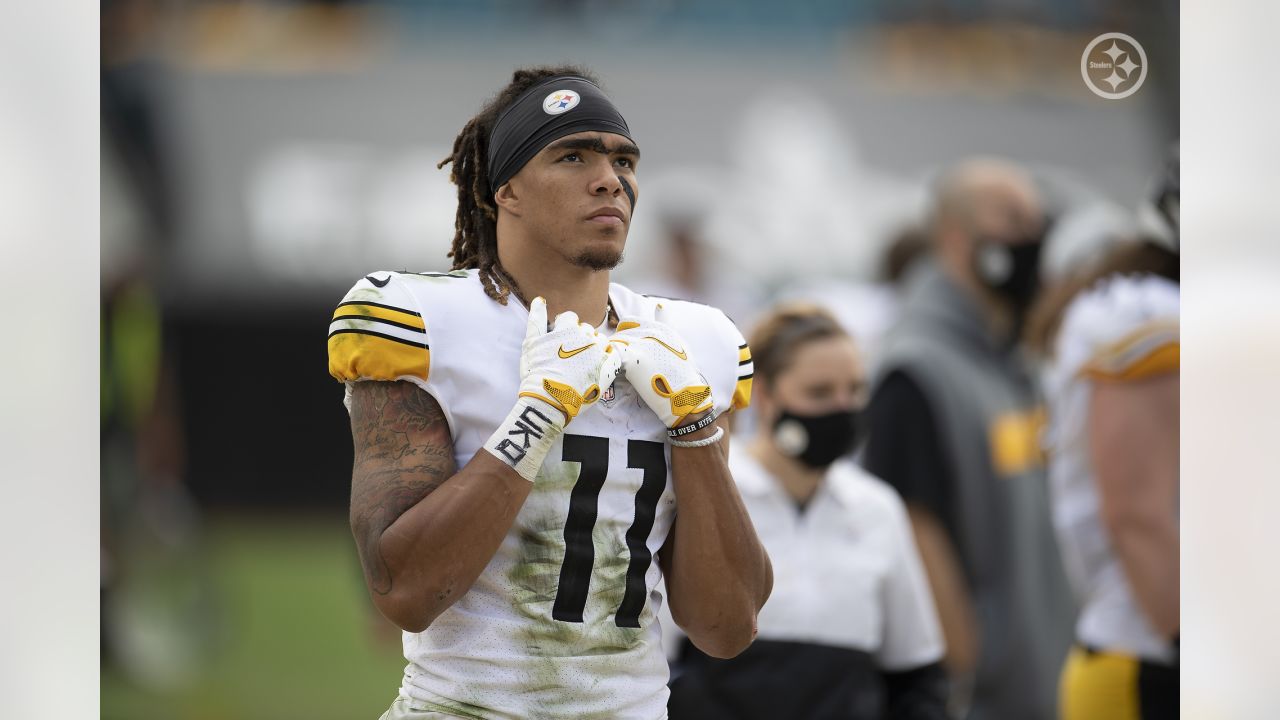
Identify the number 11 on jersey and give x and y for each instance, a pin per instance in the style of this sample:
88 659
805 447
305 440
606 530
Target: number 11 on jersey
592 453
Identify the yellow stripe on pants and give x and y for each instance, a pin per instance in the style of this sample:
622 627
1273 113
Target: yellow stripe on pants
1099 686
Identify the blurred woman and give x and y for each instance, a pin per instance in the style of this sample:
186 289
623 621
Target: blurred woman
850 632
1110 338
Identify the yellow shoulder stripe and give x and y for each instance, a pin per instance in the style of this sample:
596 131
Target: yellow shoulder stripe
1151 349
746 371
357 355
742 393
1163 359
404 318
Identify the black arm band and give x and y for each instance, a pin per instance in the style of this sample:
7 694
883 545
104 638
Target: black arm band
692 427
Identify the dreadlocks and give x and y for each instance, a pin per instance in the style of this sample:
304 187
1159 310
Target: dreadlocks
475 237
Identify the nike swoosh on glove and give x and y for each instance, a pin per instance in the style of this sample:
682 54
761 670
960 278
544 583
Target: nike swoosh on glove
566 366
658 364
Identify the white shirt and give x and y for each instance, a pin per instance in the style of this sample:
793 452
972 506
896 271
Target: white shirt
846 572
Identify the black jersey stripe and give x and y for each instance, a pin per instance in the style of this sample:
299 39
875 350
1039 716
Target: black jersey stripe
743 346
463 276
380 305
744 362
370 318
748 376
384 336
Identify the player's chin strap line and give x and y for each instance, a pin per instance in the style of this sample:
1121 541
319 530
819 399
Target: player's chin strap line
525 127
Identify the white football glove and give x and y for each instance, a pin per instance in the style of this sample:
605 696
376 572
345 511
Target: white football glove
658 364
566 367
561 371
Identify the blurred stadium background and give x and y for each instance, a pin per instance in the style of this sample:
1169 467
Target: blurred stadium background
258 157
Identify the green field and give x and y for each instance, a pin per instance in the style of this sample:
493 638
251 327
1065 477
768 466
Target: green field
289 630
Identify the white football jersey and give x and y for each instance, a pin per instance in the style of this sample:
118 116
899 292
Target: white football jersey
1123 328
562 621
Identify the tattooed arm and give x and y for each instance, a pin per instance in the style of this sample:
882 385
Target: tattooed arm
424 529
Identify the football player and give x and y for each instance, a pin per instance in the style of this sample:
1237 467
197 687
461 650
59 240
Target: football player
1112 389
520 488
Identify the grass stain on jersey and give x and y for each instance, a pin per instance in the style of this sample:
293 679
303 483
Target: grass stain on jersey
535 577
556 648
453 707
364 295
608 586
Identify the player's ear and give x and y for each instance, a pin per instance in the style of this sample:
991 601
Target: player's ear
507 199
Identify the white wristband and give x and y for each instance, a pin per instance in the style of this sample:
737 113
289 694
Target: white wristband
525 437
711 439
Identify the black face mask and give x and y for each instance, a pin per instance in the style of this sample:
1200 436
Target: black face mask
816 440
1012 271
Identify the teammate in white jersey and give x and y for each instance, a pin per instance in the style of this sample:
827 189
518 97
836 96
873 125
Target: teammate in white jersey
1111 387
520 490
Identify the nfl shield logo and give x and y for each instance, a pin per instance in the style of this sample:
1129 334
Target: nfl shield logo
607 396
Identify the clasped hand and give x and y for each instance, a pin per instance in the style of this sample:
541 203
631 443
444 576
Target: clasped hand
567 365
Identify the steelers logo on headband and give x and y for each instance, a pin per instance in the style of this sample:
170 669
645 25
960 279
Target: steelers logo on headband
561 101
558 106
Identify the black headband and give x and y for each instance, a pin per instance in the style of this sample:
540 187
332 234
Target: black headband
548 111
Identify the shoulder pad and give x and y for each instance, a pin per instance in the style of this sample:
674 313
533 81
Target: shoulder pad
377 333
1123 328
